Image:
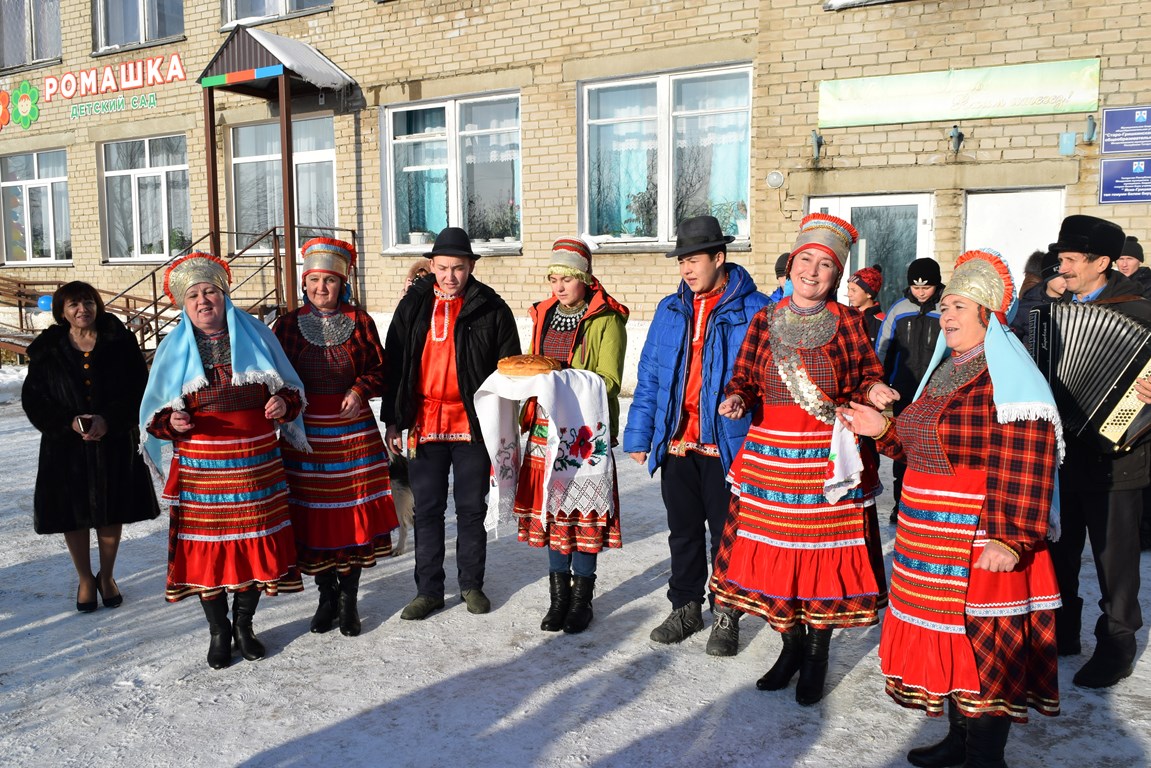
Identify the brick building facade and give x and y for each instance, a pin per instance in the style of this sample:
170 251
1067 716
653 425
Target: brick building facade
530 120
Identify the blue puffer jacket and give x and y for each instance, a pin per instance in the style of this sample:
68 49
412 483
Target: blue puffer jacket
657 405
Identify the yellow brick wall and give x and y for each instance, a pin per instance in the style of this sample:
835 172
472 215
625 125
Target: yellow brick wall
410 50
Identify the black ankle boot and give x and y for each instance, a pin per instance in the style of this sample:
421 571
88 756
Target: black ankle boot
326 611
349 613
580 614
813 667
243 609
986 738
220 650
560 587
785 667
949 752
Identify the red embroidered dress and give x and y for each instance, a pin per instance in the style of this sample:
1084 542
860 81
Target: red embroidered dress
987 639
230 527
441 416
340 497
788 554
571 525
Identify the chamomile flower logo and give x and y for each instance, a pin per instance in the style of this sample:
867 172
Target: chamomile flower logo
25 110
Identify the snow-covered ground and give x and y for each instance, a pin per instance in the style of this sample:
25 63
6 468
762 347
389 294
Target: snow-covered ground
130 687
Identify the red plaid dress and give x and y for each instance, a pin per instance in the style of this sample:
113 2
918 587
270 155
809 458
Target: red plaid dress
340 493
787 554
985 639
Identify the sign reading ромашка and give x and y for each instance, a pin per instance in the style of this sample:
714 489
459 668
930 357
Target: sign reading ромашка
1044 88
1126 129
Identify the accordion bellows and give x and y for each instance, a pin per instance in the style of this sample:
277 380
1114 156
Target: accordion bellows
1092 356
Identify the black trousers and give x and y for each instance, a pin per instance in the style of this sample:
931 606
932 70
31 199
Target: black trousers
696 499
428 477
1111 518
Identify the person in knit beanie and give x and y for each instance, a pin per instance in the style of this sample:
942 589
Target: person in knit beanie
863 293
1130 264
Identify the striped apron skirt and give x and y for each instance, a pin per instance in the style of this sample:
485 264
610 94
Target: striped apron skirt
985 639
340 494
787 553
229 527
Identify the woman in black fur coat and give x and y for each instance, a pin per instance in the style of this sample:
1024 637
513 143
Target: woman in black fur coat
86 376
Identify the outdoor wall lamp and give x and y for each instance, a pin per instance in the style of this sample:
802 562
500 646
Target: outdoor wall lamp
956 138
816 144
1089 131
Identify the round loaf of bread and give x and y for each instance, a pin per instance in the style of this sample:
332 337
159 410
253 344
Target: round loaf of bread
527 365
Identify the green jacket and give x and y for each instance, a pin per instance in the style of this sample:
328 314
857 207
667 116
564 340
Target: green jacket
600 343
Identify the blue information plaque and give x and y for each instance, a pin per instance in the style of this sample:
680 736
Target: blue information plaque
1125 180
1126 130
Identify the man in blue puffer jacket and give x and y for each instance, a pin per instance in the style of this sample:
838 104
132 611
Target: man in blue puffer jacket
687 360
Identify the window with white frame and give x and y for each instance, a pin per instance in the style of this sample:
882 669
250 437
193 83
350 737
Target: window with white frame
134 22
455 163
257 181
661 148
29 32
149 213
34 208
247 10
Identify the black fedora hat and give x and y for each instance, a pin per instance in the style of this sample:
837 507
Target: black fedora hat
699 233
1089 234
452 241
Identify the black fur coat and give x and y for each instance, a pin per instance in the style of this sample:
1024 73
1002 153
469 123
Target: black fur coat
88 484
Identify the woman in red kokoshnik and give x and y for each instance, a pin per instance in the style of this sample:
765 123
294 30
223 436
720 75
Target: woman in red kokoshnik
973 591
804 563
340 493
220 387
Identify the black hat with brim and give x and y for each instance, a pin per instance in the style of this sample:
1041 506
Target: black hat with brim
700 234
1089 234
452 241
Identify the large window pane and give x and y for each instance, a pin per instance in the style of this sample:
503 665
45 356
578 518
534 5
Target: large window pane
165 18
315 201
17 168
121 232
15 242
13 33
40 222
421 188
124 156
179 212
310 135
61 220
121 22
169 150
490 170
258 195
151 204
623 177
710 168
46 29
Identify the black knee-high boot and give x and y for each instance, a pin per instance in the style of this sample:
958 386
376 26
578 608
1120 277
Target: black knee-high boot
326 611
560 588
580 613
986 738
243 609
220 649
785 667
949 752
349 593
813 668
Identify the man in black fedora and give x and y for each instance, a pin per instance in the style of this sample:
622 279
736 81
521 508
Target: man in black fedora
446 336
673 423
1100 492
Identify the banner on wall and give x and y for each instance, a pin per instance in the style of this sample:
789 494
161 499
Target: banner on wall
1045 88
